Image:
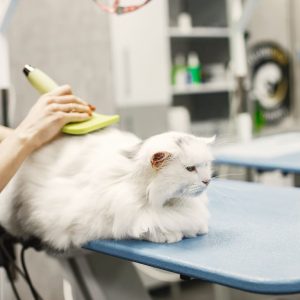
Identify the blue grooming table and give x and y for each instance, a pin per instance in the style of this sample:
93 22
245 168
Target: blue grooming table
253 243
285 159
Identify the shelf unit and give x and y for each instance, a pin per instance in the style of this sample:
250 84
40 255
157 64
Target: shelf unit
199 32
141 70
212 43
205 88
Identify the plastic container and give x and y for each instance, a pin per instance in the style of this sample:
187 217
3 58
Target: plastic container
194 69
184 22
179 71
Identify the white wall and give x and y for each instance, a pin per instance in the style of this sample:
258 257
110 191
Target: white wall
270 21
69 40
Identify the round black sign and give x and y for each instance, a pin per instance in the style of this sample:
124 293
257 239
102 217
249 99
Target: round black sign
270 84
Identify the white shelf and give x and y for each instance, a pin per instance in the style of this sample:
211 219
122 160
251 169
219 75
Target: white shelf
199 32
210 127
204 88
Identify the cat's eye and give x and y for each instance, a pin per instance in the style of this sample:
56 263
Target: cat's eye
191 168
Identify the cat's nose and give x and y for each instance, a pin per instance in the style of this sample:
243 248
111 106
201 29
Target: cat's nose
206 182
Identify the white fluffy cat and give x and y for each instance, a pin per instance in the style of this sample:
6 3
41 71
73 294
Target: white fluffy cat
110 184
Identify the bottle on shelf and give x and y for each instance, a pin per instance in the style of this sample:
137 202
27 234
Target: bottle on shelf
259 118
194 69
179 71
184 22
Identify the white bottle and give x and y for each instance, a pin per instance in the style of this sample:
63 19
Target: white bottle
180 71
184 22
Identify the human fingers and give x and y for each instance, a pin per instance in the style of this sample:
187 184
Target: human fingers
70 108
66 99
61 91
75 117
70 99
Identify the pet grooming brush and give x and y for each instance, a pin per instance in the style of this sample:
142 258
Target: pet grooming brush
44 84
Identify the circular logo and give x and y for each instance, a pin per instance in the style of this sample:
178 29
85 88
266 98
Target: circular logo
269 64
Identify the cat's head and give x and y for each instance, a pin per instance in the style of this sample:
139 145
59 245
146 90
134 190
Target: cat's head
178 164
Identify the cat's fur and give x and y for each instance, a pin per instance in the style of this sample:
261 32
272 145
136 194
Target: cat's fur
110 184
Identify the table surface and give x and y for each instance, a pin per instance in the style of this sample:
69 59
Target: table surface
278 152
253 243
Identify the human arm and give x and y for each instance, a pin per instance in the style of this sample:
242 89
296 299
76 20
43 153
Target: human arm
4 132
42 124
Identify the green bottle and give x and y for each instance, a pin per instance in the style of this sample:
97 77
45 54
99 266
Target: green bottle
194 69
259 118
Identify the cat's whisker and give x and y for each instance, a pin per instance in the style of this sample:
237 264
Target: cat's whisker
228 175
224 195
224 142
224 187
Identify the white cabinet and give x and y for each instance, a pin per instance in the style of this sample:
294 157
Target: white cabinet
140 56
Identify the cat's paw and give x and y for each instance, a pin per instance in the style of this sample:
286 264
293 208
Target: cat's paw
173 237
190 234
203 229
164 237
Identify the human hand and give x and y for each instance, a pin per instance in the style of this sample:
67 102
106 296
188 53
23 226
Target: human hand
51 112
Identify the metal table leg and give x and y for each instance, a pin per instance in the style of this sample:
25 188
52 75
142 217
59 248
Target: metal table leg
221 292
102 277
297 180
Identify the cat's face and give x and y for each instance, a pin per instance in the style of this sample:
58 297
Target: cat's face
192 166
181 163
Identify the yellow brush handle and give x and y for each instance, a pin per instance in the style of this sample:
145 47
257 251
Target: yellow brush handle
44 84
39 80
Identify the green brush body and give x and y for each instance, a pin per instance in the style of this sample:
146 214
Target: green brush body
44 84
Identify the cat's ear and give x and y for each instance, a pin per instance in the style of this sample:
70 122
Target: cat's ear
158 159
208 141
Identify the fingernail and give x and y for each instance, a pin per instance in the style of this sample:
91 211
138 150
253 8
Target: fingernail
92 107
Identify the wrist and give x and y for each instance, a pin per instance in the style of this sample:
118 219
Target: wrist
4 132
15 149
25 140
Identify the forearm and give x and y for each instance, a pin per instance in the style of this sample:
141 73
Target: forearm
43 123
4 132
13 151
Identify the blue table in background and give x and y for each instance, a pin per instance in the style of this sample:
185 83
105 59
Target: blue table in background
278 152
253 243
